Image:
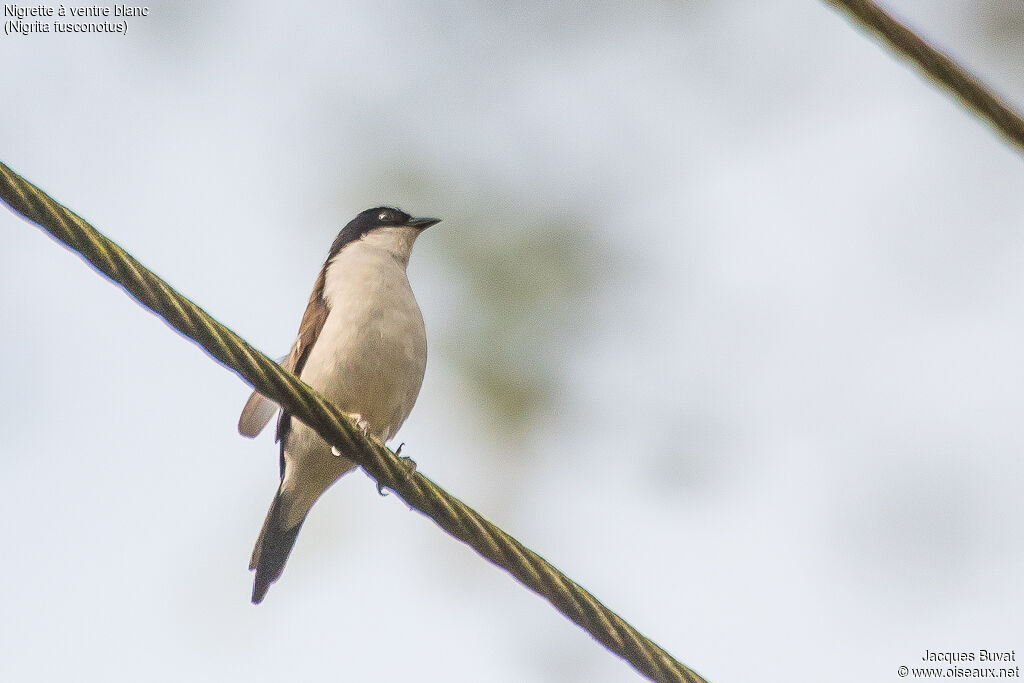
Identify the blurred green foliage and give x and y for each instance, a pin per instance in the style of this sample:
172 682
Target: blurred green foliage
529 289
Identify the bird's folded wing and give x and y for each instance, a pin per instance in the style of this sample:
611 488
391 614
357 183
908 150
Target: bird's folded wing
259 409
256 414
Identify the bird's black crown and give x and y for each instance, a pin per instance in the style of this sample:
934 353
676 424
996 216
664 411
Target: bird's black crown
380 217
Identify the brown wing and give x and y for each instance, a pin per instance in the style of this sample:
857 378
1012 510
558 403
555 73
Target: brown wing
259 409
309 329
256 414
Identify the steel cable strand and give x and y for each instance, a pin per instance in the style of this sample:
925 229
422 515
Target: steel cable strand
966 87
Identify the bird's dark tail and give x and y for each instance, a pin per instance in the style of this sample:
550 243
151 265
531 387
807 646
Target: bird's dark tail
272 547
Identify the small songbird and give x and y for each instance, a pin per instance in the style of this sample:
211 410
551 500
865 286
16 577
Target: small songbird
362 345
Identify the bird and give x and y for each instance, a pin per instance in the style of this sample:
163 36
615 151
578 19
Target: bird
362 344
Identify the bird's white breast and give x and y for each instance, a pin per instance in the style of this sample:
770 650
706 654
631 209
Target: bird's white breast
371 354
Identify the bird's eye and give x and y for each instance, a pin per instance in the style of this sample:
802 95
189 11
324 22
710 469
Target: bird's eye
383 216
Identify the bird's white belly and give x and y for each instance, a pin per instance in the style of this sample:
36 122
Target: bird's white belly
371 354
370 362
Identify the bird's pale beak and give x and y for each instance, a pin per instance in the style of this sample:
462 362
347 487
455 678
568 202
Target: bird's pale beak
422 223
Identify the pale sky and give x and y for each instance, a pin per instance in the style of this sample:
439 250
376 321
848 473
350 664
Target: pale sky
758 287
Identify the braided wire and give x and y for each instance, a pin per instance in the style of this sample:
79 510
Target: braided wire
266 376
966 87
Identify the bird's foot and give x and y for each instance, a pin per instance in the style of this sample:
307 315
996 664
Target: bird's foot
380 486
363 425
409 464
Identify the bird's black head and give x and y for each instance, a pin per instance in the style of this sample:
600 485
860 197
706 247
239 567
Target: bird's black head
380 217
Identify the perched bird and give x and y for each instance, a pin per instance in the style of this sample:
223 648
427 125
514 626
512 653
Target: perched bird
362 345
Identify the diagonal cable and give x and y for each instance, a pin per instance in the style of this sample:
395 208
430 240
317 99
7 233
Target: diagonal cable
451 514
940 68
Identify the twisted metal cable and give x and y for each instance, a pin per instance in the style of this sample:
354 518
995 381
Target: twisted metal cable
451 514
966 87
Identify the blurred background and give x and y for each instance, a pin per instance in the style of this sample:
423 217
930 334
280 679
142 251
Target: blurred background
726 320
